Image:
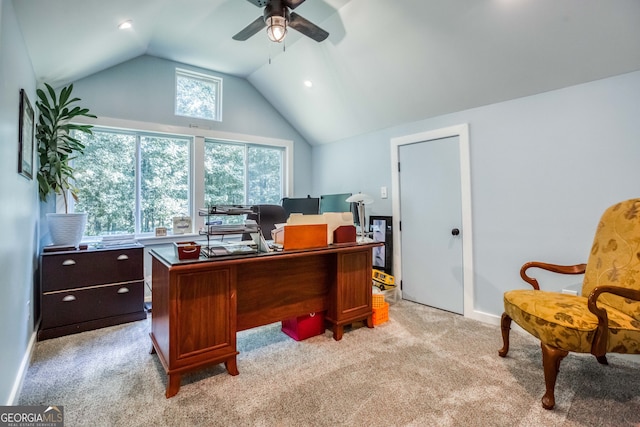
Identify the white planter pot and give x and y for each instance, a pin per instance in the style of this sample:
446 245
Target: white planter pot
66 229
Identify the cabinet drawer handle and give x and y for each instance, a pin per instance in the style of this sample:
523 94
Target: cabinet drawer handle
123 290
122 257
69 298
68 262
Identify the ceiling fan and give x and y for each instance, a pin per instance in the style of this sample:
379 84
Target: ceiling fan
277 17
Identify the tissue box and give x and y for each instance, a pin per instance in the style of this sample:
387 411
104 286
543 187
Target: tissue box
303 236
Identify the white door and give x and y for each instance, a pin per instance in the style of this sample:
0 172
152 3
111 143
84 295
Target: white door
431 223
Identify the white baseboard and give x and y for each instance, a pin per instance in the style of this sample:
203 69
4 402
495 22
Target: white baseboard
22 372
491 319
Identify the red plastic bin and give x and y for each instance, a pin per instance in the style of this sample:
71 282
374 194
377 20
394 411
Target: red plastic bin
303 327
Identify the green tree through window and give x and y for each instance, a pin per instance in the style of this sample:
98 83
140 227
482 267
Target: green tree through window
107 182
131 182
243 173
164 171
106 179
198 95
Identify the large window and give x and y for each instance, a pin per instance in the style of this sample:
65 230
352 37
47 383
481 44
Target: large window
132 182
198 95
164 176
106 179
243 173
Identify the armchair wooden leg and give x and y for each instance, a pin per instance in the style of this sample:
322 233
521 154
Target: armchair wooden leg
551 358
505 325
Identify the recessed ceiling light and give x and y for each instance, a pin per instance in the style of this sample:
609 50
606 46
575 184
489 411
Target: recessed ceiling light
125 25
308 83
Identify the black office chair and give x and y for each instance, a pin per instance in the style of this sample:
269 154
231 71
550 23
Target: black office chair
267 216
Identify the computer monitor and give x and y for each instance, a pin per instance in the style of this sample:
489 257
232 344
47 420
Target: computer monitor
302 205
338 203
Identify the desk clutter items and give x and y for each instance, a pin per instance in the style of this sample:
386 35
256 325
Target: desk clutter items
64 248
344 234
181 224
187 250
301 236
333 221
117 240
227 220
380 309
303 327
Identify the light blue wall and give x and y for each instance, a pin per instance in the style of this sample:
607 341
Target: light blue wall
143 89
543 168
18 210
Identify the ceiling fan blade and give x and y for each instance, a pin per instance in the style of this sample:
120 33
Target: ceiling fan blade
292 4
307 28
250 29
260 3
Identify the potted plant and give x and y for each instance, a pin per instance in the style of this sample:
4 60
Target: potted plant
57 147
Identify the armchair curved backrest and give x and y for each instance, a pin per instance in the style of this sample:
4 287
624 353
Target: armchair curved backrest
615 256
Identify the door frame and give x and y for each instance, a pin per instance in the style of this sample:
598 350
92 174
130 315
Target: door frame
462 132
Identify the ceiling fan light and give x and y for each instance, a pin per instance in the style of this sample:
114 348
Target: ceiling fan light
276 28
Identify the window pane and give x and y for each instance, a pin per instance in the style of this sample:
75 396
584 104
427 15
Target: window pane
223 173
264 184
197 96
164 170
105 177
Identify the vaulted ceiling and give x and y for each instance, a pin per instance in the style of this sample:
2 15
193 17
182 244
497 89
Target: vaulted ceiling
385 62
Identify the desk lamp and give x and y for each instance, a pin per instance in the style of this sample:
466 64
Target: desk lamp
361 200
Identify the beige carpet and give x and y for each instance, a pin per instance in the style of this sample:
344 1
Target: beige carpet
424 367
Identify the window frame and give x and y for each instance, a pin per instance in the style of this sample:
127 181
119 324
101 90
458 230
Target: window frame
215 80
246 147
199 135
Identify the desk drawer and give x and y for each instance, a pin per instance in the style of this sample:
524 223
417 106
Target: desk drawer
73 270
81 305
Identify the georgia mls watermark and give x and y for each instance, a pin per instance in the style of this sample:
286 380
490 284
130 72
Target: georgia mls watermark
31 416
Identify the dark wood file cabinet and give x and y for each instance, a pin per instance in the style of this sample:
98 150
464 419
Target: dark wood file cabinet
90 289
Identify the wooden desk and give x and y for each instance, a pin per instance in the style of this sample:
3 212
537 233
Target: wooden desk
199 305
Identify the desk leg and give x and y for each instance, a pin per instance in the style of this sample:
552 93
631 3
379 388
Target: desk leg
370 321
337 332
232 366
173 385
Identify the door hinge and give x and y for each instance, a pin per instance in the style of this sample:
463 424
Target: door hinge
398 167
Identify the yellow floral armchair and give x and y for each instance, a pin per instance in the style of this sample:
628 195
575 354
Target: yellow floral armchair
604 318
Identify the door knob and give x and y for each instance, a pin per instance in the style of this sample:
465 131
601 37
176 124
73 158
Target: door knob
455 232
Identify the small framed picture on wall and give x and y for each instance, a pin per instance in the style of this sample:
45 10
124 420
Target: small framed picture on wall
25 137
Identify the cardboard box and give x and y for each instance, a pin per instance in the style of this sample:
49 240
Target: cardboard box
303 327
303 236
